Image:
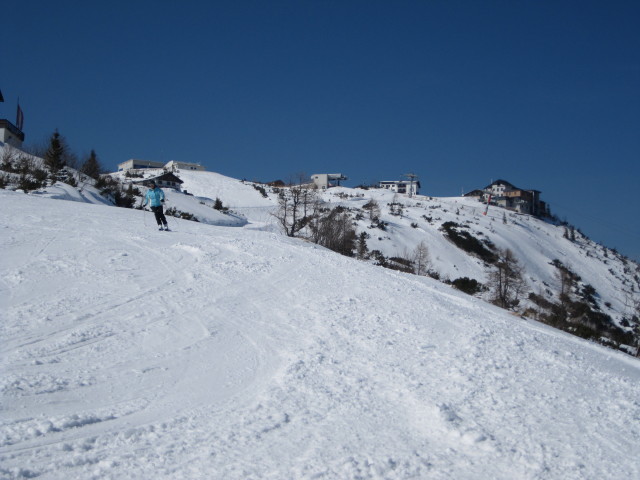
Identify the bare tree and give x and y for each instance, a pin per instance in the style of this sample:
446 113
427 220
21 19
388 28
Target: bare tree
565 279
506 281
296 204
373 208
395 207
421 259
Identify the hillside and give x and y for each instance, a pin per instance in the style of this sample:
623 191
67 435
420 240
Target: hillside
604 280
230 353
563 278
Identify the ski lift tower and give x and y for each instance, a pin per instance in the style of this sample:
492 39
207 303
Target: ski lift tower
412 178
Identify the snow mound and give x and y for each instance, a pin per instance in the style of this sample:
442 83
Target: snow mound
63 191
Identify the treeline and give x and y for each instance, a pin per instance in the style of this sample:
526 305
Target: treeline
54 161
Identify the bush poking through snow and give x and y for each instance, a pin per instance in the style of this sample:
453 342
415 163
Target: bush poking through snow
467 242
468 285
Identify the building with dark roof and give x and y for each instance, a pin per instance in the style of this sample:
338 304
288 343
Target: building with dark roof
507 195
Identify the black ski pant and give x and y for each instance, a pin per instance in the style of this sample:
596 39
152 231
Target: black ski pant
160 218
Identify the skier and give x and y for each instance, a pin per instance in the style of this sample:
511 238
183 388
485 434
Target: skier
155 199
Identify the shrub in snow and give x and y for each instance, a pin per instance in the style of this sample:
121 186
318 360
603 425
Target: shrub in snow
335 231
401 264
467 242
174 212
468 285
261 189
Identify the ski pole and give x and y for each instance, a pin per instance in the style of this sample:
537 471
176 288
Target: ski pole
143 215
166 217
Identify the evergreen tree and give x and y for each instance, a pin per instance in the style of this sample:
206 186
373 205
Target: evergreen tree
91 166
362 249
54 157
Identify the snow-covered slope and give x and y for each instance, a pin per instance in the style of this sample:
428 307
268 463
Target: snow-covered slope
605 284
536 243
240 197
228 353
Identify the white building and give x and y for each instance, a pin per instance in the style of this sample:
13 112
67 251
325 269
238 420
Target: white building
410 187
174 166
10 134
137 164
324 180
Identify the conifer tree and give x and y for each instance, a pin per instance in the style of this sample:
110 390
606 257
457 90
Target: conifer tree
54 157
362 249
91 166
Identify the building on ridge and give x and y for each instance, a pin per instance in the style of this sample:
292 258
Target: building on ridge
138 166
10 134
325 180
133 165
409 187
505 194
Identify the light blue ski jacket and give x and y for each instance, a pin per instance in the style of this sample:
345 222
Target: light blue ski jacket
154 197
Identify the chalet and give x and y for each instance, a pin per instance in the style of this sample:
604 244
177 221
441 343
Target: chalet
166 180
410 187
325 180
10 134
507 195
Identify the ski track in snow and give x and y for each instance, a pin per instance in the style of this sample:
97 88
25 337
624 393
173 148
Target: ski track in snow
226 353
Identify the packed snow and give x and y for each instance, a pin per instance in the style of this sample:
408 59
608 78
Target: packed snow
239 353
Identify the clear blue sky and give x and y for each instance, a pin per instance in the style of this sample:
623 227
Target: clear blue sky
544 94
